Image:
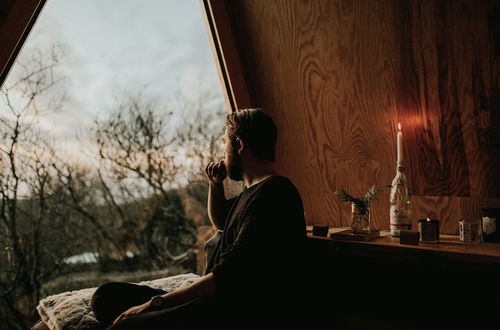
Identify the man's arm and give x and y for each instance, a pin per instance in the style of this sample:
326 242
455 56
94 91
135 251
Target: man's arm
217 203
204 287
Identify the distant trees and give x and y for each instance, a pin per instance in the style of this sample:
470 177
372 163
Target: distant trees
144 161
29 254
129 209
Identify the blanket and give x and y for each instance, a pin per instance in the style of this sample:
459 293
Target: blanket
71 310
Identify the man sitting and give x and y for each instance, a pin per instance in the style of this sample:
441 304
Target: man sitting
253 272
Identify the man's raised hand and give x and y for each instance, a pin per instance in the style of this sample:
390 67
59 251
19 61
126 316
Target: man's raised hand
216 171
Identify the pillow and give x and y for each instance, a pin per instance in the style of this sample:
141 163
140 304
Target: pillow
71 310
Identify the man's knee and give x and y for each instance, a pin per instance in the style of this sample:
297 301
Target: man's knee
103 302
102 293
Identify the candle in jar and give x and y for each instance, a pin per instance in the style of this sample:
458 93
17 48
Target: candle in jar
400 144
429 230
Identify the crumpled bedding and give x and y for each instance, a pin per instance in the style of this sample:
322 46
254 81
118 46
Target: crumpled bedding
71 310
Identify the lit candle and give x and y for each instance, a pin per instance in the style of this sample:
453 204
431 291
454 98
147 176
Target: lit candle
429 230
400 145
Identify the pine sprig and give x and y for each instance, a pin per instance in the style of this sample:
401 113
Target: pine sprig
362 203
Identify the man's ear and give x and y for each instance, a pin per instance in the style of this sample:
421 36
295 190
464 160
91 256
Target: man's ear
240 146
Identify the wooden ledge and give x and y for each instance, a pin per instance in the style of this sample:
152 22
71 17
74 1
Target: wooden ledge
449 246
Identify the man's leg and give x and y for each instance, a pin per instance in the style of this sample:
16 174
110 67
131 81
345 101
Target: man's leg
112 299
197 314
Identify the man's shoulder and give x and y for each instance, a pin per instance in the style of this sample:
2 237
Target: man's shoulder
276 182
275 187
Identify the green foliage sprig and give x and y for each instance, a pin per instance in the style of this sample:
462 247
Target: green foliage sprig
362 203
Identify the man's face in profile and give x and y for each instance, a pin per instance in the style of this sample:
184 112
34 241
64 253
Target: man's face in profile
232 160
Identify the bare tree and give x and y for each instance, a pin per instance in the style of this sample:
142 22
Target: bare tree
144 148
130 209
25 187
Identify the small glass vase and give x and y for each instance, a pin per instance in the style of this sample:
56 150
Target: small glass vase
360 219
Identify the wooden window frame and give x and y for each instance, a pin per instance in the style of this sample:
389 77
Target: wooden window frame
14 30
226 53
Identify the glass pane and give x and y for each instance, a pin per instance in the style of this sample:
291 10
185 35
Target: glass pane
107 121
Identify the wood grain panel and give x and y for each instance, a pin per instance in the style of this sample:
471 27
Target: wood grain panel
337 76
439 50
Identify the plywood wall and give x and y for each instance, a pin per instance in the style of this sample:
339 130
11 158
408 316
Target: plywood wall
337 77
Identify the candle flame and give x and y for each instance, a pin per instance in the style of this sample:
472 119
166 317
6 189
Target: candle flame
428 219
399 126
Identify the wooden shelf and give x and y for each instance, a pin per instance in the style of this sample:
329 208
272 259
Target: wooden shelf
449 245
448 275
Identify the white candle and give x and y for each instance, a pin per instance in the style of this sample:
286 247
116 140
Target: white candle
400 144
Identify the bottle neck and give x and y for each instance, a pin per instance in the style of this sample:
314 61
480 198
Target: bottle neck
400 169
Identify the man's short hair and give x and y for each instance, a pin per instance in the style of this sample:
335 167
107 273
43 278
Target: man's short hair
256 129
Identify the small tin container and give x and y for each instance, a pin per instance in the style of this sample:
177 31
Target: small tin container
468 231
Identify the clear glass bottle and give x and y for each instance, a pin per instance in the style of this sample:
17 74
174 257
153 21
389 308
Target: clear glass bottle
400 212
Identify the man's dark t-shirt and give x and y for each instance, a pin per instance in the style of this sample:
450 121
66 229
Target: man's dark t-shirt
259 253
257 266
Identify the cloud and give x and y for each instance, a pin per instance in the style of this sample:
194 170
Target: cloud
118 47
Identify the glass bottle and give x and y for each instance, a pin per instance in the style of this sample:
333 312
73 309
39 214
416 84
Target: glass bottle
399 199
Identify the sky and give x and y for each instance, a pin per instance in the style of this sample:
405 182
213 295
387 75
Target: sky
115 47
